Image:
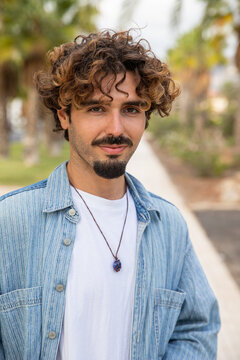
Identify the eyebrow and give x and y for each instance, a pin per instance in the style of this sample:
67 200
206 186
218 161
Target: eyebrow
135 103
98 102
91 102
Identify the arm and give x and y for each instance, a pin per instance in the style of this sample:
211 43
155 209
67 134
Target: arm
195 334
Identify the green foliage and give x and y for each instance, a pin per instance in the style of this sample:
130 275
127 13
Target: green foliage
14 172
38 25
220 19
228 117
207 163
203 153
161 127
195 52
219 12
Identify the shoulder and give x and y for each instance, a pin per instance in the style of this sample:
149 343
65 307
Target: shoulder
169 212
165 218
23 198
172 226
164 204
19 210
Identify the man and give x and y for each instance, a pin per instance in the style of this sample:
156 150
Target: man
93 266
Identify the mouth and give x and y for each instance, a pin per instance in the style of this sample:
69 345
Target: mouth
113 149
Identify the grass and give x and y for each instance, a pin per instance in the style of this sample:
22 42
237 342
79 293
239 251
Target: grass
14 172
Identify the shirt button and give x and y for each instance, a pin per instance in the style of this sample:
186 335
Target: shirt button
72 212
51 335
59 287
67 241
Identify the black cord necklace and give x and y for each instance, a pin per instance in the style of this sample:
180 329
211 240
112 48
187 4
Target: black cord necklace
117 263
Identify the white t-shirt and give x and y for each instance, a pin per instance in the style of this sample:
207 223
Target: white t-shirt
99 301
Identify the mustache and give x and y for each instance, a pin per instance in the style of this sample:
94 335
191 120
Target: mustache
112 140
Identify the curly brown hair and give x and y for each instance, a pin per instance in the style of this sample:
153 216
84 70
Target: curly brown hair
77 68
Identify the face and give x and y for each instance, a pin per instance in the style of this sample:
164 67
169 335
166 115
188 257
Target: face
104 134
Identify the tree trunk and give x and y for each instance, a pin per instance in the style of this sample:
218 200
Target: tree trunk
237 119
8 84
53 140
31 64
186 107
237 126
199 123
4 128
31 154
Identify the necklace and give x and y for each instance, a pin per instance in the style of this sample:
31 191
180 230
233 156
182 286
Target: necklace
117 263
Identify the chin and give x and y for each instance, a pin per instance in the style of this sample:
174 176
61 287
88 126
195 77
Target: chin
110 169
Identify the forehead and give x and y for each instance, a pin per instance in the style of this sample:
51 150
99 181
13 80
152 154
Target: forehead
125 89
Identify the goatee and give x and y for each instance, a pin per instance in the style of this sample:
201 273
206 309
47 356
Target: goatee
109 169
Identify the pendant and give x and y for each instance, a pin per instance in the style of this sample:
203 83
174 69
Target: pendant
117 265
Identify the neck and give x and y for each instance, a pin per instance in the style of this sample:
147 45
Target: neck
111 189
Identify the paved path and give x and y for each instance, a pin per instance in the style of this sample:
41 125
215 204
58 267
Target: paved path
223 228
147 168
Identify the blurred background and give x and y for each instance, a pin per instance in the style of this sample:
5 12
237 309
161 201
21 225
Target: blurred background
199 39
198 144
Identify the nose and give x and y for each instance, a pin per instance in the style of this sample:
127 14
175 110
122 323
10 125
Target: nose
115 125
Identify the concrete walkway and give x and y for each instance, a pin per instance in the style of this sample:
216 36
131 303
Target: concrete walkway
148 169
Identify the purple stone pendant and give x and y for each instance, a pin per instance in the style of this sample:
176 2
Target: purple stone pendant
117 265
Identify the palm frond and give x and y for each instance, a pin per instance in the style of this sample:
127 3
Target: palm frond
176 13
126 13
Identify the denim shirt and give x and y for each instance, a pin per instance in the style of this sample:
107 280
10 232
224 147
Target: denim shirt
175 313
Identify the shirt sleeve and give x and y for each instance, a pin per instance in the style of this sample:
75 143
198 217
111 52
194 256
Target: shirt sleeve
1 353
195 333
2 357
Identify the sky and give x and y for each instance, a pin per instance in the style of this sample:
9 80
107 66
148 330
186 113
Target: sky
154 17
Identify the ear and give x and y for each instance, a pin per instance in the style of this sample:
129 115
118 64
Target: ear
63 118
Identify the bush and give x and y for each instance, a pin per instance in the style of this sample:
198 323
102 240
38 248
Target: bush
206 163
161 127
204 153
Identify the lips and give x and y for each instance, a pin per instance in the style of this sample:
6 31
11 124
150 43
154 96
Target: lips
113 149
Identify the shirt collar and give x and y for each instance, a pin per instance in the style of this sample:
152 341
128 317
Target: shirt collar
58 193
141 197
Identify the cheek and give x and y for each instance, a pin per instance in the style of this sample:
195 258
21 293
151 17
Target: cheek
80 132
91 128
138 128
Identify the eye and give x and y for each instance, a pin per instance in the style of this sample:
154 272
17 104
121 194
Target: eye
131 110
96 109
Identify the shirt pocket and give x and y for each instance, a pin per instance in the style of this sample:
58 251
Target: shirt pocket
167 307
20 320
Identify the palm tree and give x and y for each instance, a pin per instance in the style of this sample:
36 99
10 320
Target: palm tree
8 88
126 13
222 18
191 60
8 85
40 25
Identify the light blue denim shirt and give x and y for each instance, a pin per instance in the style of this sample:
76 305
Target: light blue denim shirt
175 313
